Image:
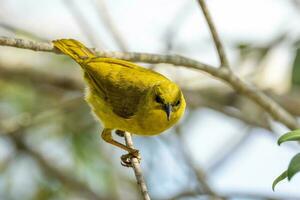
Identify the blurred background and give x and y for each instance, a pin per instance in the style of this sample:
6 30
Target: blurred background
225 146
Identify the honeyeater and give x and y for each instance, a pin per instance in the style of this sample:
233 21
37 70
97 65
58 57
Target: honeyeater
125 96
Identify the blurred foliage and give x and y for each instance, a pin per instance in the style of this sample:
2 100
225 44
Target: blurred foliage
294 166
296 69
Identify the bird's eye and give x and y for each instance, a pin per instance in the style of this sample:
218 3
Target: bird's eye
177 103
158 99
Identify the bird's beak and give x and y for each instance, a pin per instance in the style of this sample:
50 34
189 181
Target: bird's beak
168 110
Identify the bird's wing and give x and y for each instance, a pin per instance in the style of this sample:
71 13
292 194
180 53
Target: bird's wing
119 85
125 101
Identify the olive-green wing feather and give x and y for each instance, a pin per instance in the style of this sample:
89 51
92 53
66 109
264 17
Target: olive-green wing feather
111 79
125 100
118 84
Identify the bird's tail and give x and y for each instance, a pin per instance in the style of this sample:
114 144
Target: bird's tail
74 49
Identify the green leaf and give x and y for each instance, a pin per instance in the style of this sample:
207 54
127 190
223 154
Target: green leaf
290 136
296 69
294 166
278 179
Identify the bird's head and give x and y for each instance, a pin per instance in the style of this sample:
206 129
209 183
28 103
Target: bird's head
168 97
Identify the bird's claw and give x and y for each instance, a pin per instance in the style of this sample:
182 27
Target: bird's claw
126 159
120 133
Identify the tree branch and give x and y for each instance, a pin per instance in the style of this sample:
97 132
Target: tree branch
69 181
137 169
109 24
27 44
214 34
83 24
269 105
198 171
21 31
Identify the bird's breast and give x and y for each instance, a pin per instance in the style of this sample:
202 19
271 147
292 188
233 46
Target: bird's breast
145 122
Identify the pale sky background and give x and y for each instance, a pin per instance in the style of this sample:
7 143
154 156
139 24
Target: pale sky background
142 25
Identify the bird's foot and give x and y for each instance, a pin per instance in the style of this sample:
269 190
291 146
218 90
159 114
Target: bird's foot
126 159
120 133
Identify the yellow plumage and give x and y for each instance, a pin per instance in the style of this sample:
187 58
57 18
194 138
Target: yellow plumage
125 96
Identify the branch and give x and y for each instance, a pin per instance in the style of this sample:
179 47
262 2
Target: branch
137 169
16 132
269 105
229 149
27 44
214 34
39 78
218 99
109 24
20 31
82 23
199 172
69 181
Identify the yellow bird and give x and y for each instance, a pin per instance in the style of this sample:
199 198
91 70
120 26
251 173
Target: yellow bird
125 96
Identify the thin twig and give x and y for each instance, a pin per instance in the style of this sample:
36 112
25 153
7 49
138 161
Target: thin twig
186 157
214 34
83 24
108 22
229 149
65 179
220 100
39 77
199 172
137 169
16 132
21 31
268 104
